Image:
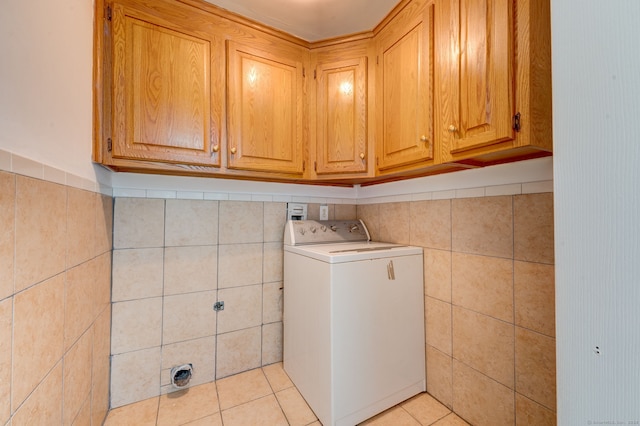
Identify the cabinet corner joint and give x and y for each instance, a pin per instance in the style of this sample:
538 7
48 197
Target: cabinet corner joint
516 122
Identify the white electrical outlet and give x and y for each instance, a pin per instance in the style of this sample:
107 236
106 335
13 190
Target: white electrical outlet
324 212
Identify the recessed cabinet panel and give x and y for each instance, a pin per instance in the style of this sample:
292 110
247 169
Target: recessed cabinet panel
475 77
265 111
342 117
162 92
405 66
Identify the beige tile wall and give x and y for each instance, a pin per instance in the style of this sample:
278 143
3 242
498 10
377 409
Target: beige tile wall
172 260
489 298
55 275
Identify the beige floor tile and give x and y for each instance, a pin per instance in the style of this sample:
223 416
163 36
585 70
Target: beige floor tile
143 413
242 388
277 377
451 420
213 420
188 405
295 408
396 416
425 408
263 411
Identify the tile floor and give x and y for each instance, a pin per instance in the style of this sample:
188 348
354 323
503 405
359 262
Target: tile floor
264 396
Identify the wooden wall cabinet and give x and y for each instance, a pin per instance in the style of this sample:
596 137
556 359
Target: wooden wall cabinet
482 81
265 110
183 87
166 93
340 110
404 90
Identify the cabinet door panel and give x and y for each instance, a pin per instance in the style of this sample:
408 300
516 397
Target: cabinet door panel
478 78
342 117
162 92
265 111
406 97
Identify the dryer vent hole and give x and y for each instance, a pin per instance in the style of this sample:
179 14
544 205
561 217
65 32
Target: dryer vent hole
181 375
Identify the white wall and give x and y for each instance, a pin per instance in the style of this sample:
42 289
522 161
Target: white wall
45 82
596 92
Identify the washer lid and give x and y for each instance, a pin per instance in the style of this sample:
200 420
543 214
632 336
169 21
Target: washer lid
352 252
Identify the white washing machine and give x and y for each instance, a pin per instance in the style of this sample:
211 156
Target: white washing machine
353 320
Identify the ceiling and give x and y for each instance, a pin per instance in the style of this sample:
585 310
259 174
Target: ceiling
313 20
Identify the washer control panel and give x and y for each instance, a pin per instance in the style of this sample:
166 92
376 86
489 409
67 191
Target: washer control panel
298 232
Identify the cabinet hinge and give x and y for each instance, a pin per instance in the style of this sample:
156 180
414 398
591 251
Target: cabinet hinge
516 122
377 60
109 145
304 166
304 72
377 161
315 166
108 13
315 75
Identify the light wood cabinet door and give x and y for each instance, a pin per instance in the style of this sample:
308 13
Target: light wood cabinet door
265 115
341 116
167 93
475 75
404 90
